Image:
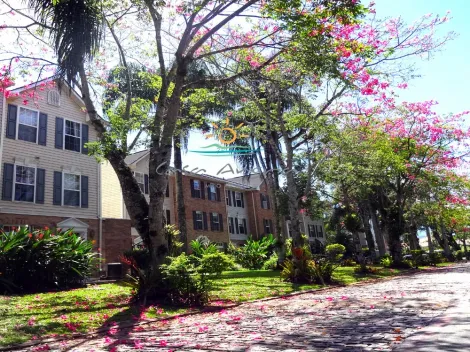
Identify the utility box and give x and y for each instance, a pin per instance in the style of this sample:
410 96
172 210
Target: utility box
114 271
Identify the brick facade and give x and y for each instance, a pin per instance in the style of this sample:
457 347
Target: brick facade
259 213
206 206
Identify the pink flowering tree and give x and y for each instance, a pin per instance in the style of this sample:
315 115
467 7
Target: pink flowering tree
82 40
335 69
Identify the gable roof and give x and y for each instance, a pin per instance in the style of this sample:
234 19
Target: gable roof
133 158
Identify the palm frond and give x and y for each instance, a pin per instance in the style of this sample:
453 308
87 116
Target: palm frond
77 29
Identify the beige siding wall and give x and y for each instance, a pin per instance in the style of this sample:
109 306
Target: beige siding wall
52 159
112 202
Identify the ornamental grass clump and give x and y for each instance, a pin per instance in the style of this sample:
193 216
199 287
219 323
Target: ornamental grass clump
40 260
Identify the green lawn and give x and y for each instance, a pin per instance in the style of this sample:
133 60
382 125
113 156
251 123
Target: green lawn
41 315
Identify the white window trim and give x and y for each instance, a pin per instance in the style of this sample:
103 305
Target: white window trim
18 123
238 197
198 185
79 189
215 216
212 195
231 229
35 181
63 138
313 232
227 197
143 179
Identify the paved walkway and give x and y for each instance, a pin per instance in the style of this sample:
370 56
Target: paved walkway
424 312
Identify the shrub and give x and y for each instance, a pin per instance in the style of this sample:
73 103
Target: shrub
386 261
172 235
299 269
436 258
418 258
459 254
141 257
215 263
42 260
348 262
335 252
183 283
201 247
253 254
271 263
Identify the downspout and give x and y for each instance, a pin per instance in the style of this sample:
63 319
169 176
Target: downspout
2 136
100 218
254 212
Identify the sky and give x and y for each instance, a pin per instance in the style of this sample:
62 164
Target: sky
444 78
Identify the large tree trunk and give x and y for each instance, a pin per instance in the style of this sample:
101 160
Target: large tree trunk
445 241
395 229
430 244
364 213
135 201
414 241
379 238
181 211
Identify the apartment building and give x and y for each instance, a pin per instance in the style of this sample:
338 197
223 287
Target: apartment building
47 177
224 210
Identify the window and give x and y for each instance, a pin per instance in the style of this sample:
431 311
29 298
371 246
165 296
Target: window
212 192
71 190
28 125
25 183
227 197
267 226
320 231
311 231
72 136
231 227
238 199
139 177
242 226
215 226
53 98
264 201
196 189
198 221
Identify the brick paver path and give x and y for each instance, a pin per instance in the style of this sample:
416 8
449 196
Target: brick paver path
371 317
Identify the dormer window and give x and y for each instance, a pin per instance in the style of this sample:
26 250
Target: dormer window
53 98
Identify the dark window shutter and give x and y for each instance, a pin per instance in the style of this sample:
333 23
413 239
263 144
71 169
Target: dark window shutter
146 184
221 223
59 133
271 226
168 217
261 199
204 218
7 188
217 190
11 121
211 218
202 190
167 192
84 138
244 227
234 199
40 183
194 219
192 187
236 226
267 201
84 191
229 198
243 202
42 135
232 225
57 193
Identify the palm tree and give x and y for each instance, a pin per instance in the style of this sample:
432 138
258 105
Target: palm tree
76 28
